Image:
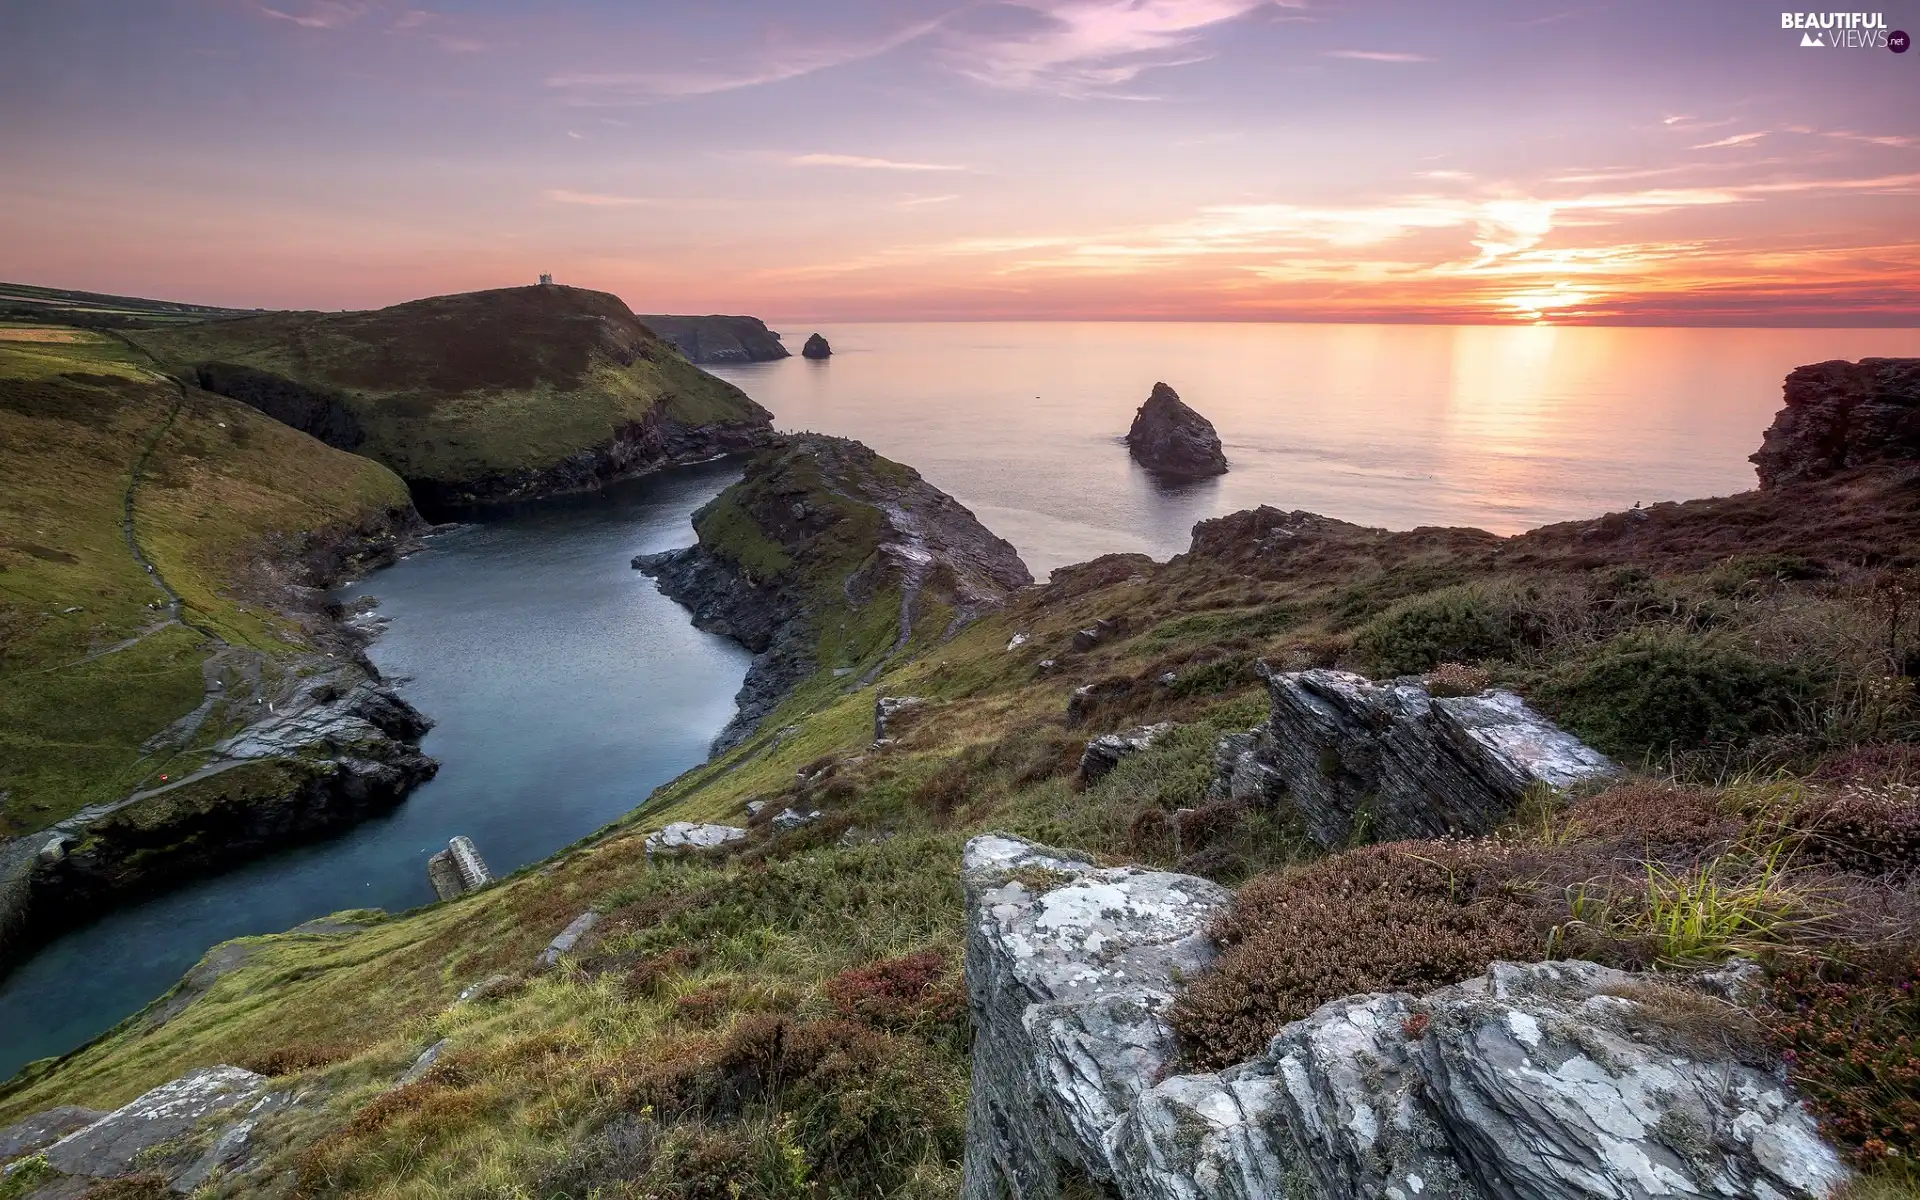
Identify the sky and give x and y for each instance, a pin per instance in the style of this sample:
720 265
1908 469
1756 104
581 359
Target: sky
1673 162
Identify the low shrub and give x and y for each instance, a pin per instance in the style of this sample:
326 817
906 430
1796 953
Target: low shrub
1651 692
1454 624
899 993
1850 1037
1657 821
1407 916
1874 830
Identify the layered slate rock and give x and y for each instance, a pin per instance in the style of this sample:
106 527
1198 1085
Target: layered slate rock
816 348
1104 753
1544 1081
825 530
684 836
1390 760
1171 439
1068 970
1841 415
184 1131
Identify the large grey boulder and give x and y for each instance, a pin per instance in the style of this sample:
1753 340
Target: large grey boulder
1387 761
44 1129
158 1130
1544 1081
683 837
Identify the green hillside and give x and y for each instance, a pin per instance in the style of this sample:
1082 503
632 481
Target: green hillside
224 503
473 396
787 1019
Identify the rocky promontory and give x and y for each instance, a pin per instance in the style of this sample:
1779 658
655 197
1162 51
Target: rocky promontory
816 347
1171 439
1841 415
824 525
718 339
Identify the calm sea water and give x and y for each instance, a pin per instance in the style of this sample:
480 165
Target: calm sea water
564 688
1392 425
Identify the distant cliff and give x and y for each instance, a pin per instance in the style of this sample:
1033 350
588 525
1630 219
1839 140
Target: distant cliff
718 339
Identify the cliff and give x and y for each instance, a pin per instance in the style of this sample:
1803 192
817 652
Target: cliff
1840 415
478 397
718 339
164 564
827 554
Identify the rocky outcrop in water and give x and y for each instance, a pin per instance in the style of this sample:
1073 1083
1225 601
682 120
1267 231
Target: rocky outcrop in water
458 869
337 749
1840 415
816 347
1545 1081
718 339
824 527
1171 439
1385 761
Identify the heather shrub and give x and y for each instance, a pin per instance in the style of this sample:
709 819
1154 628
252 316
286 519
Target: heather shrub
1658 821
1850 1037
1652 692
1408 916
899 993
1456 679
1454 624
1874 830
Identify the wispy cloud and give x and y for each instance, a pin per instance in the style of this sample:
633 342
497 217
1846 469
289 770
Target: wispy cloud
1082 48
593 199
1445 176
1874 139
777 65
1738 139
320 14
1382 56
924 201
863 163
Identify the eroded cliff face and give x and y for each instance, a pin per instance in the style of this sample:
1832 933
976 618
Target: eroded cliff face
653 443
718 339
1541 1081
1841 415
825 542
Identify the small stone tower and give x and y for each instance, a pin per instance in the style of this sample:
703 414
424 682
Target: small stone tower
546 280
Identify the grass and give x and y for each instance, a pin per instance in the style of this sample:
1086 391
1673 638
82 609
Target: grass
460 388
90 668
760 1021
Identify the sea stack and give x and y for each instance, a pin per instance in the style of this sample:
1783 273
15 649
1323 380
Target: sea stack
1169 438
816 347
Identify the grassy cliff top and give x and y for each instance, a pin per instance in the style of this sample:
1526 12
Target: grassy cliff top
91 665
459 387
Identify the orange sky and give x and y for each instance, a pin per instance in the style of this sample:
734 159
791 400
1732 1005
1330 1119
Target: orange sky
919 159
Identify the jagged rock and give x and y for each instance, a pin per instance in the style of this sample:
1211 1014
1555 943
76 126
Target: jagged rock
884 710
458 869
1842 414
491 985
423 1064
1169 438
1088 696
1068 968
790 819
1016 641
683 836
568 938
1099 631
1391 761
159 1122
1104 753
44 1129
816 347
227 1149
1545 1081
